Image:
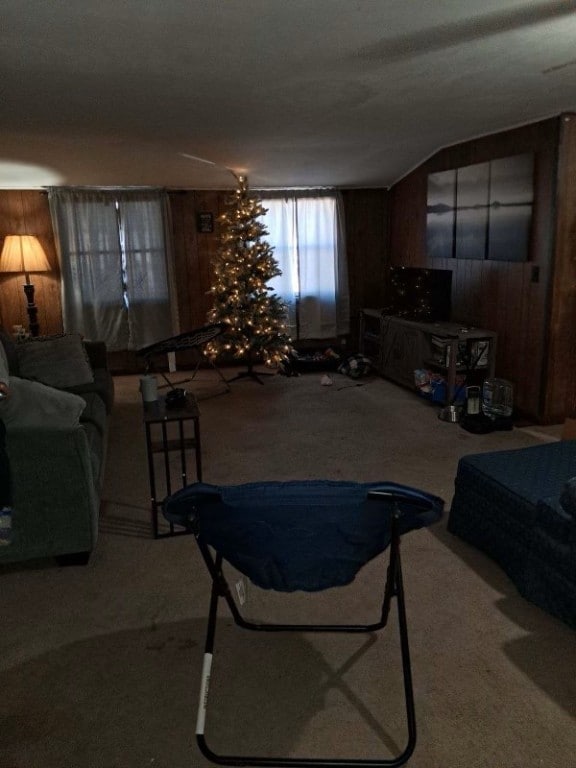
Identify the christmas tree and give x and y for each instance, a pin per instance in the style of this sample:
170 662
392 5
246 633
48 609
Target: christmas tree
244 264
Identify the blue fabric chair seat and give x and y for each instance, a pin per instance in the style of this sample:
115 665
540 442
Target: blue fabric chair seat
299 535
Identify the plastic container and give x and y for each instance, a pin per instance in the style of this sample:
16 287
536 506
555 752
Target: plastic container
149 388
473 401
451 413
497 398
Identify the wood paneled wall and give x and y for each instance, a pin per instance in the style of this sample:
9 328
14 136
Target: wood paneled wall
531 305
526 303
559 380
194 251
366 225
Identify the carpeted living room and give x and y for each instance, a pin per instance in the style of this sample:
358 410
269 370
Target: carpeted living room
286 343
101 663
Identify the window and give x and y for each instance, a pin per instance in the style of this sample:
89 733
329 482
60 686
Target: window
115 270
306 233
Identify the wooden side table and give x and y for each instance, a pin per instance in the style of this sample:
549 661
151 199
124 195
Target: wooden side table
167 431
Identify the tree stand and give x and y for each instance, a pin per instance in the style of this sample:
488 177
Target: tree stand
250 374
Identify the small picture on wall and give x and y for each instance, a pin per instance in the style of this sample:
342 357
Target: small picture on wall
205 222
440 213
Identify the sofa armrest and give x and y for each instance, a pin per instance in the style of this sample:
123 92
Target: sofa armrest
55 493
96 351
103 383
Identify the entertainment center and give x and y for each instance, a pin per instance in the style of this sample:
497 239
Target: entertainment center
398 347
412 341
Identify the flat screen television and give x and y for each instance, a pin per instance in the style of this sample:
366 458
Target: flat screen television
416 293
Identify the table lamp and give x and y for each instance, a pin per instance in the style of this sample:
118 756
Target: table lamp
23 253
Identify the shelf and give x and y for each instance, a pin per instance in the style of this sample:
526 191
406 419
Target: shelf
399 347
458 368
165 435
157 446
370 341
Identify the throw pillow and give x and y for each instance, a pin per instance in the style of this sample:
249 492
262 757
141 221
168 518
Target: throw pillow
32 405
568 497
58 361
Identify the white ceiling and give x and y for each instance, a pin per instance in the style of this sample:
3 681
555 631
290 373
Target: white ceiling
347 93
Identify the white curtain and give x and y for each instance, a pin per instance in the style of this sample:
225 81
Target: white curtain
306 230
115 260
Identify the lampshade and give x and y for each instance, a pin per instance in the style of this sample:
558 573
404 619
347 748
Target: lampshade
23 253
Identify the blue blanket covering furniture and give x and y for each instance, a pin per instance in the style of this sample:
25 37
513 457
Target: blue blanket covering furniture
519 507
302 535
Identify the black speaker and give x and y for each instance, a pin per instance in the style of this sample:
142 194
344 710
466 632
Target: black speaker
176 398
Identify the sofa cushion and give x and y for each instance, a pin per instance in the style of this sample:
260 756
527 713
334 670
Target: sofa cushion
568 498
58 361
32 405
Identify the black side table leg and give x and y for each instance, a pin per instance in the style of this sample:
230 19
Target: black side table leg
152 479
198 447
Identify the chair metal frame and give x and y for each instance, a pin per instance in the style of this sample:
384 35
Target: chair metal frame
393 589
194 340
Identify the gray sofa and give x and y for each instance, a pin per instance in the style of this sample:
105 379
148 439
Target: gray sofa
57 469
519 507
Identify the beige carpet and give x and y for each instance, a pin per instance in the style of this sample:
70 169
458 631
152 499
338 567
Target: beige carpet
100 665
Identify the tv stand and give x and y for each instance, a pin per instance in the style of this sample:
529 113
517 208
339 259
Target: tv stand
397 347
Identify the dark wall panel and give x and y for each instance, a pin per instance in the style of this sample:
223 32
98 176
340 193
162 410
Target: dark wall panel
499 295
560 381
194 252
366 223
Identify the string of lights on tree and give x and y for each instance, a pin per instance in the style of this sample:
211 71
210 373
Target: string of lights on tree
242 268
411 299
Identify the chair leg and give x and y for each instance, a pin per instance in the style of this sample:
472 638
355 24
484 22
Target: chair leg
393 588
195 371
220 374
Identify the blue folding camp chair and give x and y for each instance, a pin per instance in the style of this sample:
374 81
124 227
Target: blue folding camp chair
302 535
